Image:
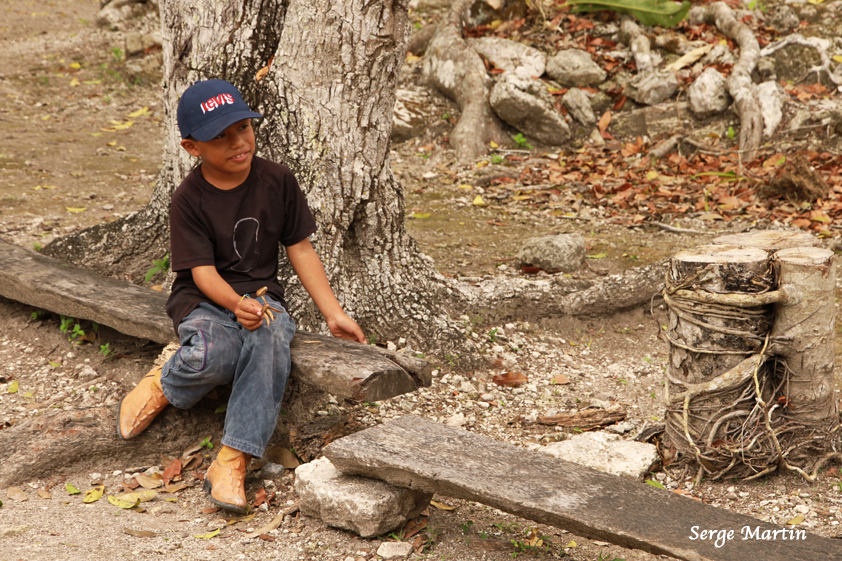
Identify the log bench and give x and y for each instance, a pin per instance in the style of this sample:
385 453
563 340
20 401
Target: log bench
414 452
345 369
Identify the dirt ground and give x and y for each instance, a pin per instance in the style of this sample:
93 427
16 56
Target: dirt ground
68 160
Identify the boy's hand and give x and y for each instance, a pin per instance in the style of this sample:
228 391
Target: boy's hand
344 327
248 312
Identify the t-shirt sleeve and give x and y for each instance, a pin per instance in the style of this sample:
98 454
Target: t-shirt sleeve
190 242
298 220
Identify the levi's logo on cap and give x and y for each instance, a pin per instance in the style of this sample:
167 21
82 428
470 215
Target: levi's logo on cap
208 107
216 101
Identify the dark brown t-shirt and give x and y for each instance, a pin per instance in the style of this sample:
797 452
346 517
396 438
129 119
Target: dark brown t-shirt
237 231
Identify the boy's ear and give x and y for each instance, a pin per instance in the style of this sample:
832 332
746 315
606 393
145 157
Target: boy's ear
190 145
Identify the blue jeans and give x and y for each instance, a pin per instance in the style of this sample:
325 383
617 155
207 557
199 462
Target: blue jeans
216 349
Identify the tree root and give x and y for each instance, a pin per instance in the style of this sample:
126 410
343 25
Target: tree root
456 70
506 299
739 82
638 42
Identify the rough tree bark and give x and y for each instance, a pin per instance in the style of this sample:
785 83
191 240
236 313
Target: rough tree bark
455 69
331 126
750 384
739 82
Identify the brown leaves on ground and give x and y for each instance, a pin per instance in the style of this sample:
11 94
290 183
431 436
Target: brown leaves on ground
510 379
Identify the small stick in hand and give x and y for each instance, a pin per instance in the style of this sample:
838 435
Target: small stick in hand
267 310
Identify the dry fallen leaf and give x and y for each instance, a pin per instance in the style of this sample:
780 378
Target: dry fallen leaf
16 494
561 379
511 379
93 495
442 506
44 494
140 533
173 471
797 520
148 482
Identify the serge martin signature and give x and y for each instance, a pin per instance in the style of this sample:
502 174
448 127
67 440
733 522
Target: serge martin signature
720 537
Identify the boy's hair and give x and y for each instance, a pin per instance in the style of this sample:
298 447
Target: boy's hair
209 107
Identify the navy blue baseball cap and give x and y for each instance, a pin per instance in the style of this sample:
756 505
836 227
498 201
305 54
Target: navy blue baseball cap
209 107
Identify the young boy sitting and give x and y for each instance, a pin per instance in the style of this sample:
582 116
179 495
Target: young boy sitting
226 221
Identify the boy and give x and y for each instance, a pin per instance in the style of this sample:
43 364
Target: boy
226 221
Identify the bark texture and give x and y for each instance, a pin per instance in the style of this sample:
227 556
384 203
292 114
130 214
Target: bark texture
739 82
750 384
455 69
330 126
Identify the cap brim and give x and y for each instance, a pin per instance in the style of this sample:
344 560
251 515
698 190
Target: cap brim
211 130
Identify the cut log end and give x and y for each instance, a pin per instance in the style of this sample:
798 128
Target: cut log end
769 240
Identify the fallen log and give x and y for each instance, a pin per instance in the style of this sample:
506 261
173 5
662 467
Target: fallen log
342 368
587 419
419 454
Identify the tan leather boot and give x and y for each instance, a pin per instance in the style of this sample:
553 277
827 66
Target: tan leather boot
141 405
225 480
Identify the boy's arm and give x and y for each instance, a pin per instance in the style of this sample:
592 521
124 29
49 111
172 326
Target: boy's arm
309 269
248 311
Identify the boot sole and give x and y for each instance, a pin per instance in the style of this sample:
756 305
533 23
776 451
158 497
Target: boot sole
208 488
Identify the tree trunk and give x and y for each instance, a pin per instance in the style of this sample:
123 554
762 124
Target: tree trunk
750 380
327 103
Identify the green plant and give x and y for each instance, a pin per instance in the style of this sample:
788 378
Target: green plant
206 443
492 335
105 349
37 314
521 141
158 266
398 536
117 54
731 133
497 159
466 526
647 12
37 246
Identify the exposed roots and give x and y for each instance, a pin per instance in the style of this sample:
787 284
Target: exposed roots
456 70
738 423
739 82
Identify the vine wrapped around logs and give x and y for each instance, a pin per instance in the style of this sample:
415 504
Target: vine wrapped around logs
749 386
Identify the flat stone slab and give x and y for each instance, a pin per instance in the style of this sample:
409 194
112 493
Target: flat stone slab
606 452
420 454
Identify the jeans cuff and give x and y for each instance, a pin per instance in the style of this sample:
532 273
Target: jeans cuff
250 449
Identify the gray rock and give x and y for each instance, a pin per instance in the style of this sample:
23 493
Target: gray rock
394 550
564 252
271 471
366 506
579 105
783 19
765 69
719 54
574 67
526 105
117 12
409 117
606 452
708 94
651 88
137 43
600 103
771 96
511 56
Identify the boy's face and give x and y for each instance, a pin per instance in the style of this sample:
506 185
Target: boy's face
226 158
